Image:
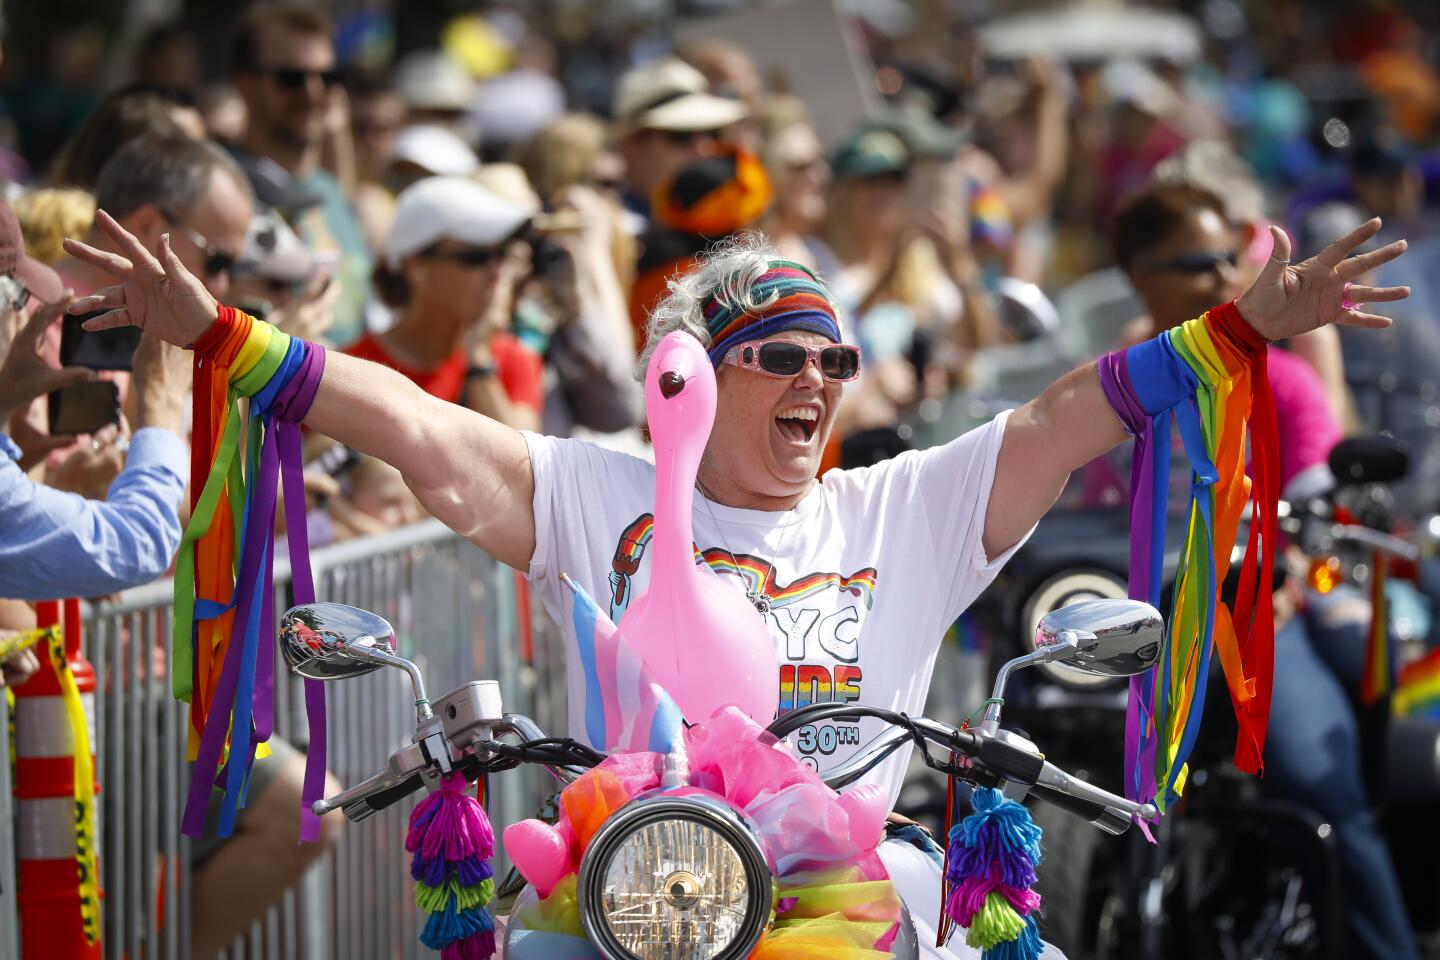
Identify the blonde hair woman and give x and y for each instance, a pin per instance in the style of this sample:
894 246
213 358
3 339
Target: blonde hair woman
48 216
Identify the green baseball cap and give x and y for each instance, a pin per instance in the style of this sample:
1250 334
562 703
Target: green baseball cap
870 152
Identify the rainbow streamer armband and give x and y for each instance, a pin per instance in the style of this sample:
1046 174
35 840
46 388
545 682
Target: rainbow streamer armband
1208 378
224 663
452 842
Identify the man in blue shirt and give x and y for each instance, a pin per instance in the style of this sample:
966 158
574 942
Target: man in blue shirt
55 544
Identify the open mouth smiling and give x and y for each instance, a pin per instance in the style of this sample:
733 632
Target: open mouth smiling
799 423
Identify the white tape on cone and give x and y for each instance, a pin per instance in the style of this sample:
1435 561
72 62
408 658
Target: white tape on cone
42 727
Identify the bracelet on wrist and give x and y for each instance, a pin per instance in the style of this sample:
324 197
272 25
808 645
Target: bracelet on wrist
481 370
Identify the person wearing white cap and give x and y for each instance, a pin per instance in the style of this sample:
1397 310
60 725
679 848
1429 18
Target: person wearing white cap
279 279
446 271
667 118
427 150
435 87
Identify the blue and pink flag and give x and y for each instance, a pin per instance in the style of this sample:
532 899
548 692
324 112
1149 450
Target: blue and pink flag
625 707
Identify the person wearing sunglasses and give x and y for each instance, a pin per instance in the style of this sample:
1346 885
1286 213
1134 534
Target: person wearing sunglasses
284 69
1180 253
191 189
856 574
447 277
666 119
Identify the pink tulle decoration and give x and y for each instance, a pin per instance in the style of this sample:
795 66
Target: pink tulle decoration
804 827
733 756
871 867
637 772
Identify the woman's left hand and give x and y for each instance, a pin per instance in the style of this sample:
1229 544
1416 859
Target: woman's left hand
1290 299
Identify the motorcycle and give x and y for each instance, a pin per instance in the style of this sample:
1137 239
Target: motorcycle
1233 873
679 871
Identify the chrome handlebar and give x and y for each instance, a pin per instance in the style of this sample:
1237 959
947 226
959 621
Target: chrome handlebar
1006 750
433 752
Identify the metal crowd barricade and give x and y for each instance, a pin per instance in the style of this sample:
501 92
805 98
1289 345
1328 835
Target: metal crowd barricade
456 611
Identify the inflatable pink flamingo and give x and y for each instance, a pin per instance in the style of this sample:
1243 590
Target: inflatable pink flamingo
700 637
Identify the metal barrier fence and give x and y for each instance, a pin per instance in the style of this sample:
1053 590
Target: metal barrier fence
459 613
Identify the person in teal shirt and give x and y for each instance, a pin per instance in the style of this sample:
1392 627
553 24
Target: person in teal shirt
283 66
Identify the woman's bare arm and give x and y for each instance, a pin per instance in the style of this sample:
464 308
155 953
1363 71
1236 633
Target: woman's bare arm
469 471
1071 423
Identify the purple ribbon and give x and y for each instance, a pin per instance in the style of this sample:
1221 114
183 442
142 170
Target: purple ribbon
292 390
291 406
217 722
1149 478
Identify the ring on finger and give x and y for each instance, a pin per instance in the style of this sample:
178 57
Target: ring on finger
1345 302
1283 261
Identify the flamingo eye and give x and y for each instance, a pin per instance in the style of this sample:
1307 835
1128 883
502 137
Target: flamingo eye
671 383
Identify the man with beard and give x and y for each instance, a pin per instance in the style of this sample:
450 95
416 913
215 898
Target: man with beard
283 64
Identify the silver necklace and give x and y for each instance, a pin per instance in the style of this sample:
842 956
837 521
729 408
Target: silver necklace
752 593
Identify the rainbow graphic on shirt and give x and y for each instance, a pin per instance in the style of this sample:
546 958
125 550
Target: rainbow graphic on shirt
757 574
815 619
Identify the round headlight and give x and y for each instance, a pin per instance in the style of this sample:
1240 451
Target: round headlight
675 878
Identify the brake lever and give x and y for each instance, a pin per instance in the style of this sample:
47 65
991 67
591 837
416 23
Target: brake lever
411 760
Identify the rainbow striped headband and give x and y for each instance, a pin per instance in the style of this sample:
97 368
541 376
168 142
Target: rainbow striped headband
800 303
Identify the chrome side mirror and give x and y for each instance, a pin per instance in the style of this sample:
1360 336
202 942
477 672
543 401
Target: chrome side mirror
1106 638
330 641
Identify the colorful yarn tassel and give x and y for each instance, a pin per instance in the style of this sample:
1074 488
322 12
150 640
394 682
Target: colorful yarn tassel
452 842
1208 379
989 868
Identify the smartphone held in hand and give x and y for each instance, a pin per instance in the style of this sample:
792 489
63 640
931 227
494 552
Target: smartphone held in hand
99 350
84 407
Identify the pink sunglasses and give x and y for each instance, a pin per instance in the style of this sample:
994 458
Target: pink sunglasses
837 363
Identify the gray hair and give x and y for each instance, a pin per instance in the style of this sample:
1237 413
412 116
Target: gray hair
727 272
170 173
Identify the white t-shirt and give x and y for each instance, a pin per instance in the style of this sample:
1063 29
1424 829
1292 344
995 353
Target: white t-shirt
863 576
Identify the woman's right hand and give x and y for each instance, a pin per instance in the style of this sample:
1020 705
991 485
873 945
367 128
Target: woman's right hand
155 293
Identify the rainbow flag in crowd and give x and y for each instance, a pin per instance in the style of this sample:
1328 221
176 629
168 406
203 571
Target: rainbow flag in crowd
1417 691
990 221
625 707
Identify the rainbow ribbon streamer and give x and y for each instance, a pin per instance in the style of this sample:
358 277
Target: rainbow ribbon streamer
1417 690
1207 378
224 572
1378 676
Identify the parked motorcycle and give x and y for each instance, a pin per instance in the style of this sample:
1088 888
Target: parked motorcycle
1233 873
678 871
